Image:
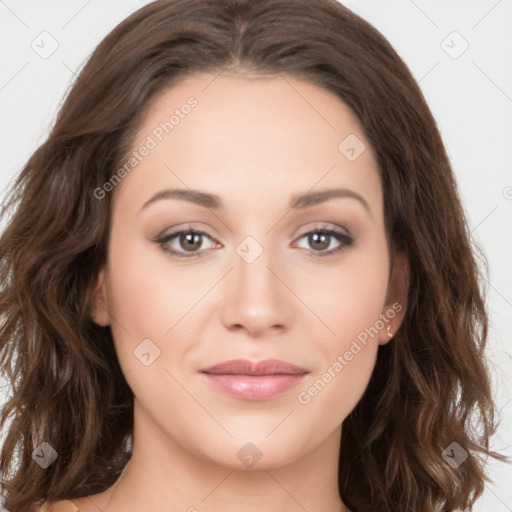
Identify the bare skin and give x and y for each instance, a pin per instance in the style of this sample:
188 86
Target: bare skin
255 143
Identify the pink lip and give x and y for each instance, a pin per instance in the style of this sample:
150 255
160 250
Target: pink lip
254 381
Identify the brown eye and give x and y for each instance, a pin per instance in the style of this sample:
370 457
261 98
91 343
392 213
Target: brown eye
192 241
185 241
321 239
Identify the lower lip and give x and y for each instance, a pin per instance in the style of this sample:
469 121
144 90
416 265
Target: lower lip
254 387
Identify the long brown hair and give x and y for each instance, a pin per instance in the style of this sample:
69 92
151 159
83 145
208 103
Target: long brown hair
431 384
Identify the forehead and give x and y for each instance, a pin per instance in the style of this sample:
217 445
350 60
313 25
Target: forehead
250 134
265 106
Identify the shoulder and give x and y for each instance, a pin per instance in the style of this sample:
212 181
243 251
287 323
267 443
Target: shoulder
58 506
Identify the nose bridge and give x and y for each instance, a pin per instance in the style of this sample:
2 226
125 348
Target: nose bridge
251 268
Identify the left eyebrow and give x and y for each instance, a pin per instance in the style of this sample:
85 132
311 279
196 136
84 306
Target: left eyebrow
193 196
298 201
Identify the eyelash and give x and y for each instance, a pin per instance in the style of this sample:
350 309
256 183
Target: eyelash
346 241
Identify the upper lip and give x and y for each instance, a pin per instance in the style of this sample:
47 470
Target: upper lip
246 367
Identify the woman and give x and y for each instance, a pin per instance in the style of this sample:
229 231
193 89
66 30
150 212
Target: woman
323 350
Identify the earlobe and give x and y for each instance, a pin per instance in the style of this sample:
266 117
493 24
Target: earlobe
99 307
396 299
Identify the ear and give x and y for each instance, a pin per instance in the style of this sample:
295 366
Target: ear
395 307
99 307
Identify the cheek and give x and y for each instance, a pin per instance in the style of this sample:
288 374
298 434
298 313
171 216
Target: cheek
147 305
350 309
144 294
349 300
349 297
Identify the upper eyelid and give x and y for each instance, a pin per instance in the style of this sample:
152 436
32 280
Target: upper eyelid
317 227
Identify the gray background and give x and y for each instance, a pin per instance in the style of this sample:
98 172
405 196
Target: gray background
459 51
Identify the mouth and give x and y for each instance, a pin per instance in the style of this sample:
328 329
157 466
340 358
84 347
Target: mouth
246 380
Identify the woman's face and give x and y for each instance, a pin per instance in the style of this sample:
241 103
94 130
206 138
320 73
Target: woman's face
257 161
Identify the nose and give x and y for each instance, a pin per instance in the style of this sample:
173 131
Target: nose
256 296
